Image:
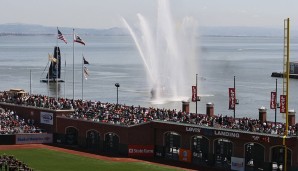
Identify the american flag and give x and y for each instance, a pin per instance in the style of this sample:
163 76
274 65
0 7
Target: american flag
61 37
78 39
86 72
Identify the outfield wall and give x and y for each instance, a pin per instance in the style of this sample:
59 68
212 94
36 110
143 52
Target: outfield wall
42 138
32 138
7 139
199 145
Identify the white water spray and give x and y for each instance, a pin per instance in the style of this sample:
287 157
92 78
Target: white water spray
168 54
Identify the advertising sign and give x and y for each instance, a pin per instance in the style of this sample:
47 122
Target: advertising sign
273 100
140 150
194 94
184 155
283 101
46 118
237 164
37 138
232 98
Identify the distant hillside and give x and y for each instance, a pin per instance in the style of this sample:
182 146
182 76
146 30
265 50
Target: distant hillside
39 29
17 28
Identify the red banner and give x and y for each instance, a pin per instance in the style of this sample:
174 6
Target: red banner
273 100
283 102
140 150
194 94
232 98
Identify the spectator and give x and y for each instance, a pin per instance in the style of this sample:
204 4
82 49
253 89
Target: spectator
130 115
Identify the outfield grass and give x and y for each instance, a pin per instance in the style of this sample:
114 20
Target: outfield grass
49 160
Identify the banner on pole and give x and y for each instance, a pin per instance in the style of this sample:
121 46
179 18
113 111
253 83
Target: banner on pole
273 100
194 94
283 102
232 98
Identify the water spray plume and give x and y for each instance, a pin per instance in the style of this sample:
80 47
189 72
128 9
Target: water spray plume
168 53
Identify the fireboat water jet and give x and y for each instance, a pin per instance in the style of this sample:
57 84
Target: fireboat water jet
168 52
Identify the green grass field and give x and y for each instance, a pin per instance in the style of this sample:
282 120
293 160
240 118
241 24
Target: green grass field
49 160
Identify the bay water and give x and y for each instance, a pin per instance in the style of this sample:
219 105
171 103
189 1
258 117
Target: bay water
115 59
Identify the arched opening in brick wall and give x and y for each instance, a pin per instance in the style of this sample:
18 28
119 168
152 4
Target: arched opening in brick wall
172 143
71 136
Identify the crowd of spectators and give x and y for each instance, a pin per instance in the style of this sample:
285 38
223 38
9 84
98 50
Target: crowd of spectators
37 101
10 163
130 115
11 123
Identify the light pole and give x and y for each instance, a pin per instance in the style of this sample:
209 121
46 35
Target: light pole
196 93
117 85
235 97
30 82
275 100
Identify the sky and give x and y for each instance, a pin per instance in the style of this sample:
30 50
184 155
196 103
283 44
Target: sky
100 14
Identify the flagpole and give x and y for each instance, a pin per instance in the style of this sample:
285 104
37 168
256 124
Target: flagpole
64 77
73 66
61 37
82 78
57 67
30 82
49 81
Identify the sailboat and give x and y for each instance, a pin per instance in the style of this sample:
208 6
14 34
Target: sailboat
54 71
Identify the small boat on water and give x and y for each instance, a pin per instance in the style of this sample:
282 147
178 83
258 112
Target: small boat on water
54 70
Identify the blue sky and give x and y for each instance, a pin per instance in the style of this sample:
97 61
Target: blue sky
107 13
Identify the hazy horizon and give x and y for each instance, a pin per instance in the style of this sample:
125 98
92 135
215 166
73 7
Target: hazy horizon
103 14
31 29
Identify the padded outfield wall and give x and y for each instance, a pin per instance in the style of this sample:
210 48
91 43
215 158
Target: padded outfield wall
175 141
190 143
